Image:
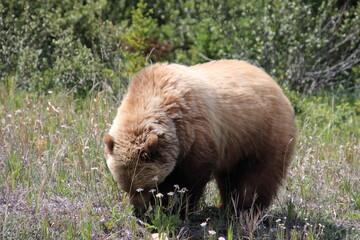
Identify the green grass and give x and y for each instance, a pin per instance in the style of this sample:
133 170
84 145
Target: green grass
54 182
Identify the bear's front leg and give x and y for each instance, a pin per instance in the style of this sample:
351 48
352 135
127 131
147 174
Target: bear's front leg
188 187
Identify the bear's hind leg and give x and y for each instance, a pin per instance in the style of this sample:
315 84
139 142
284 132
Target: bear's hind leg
247 187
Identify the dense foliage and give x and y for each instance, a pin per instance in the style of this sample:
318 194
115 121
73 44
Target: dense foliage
96 44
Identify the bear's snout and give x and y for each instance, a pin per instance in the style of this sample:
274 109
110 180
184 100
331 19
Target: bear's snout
140 202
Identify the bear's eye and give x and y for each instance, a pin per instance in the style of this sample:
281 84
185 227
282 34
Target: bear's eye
146 156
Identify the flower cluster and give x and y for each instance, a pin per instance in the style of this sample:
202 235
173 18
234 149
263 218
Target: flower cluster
160 195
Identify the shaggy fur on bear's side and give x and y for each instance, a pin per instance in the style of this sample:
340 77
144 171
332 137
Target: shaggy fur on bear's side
184 125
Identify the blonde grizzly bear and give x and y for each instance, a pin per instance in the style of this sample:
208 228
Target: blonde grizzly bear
184 125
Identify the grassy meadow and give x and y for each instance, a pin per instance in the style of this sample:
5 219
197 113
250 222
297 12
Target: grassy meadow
65 63
54 182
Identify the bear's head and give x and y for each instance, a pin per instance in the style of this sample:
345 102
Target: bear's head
140 159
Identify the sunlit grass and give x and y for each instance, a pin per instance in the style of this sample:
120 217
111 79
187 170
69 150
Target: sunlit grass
54 182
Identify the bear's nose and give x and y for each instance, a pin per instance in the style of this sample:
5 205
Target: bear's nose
139 213
139 202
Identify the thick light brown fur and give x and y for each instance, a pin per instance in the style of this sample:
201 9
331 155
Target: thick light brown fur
184 125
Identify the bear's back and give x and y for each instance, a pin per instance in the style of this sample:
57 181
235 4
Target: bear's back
252 111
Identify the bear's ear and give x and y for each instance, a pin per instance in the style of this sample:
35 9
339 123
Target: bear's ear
109 143
151 144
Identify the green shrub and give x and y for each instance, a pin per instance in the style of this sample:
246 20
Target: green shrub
136 38
307 45
53 45
99 44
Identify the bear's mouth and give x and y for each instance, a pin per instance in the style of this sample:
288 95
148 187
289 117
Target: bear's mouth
140 201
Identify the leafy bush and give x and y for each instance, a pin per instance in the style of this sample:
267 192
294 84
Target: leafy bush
58 44
136 38
307 45
77 45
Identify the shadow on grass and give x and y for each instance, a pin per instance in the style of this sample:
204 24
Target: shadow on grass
276 225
